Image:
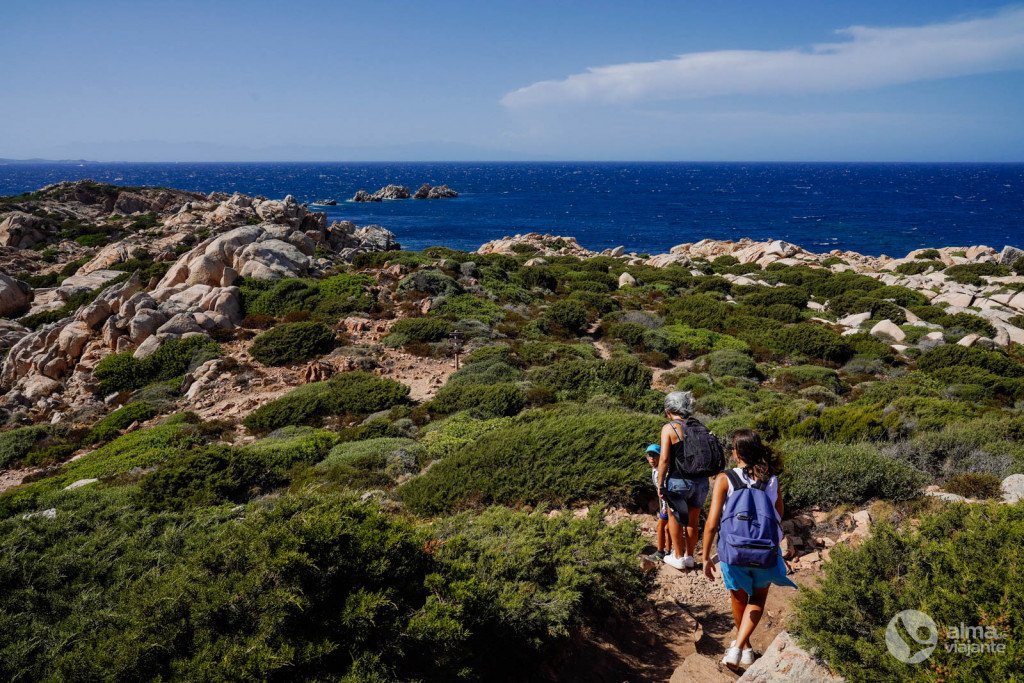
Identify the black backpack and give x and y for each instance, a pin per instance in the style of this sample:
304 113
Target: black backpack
702 454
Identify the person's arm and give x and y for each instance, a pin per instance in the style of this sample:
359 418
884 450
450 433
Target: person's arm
666 455
778 503
718 495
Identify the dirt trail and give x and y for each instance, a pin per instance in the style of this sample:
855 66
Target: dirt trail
694 619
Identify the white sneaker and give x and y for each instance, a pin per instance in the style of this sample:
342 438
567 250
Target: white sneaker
732 657
747 658
688 561
673 561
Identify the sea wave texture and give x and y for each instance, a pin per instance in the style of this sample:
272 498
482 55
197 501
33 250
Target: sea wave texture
647 207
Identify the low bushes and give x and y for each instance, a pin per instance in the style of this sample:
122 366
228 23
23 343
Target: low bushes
729 363
802 376
560 456
567 317
828 475
974 273
347 394
418 330
956 568
122 371
464 306
813 341
485 400
292 343
974 485
690 343
112 424
16 444
325 300
373 463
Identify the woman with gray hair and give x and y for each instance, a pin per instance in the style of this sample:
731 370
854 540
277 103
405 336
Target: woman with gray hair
694 454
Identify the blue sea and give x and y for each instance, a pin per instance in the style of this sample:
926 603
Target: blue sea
646 207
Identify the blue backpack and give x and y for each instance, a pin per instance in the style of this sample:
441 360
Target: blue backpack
748 535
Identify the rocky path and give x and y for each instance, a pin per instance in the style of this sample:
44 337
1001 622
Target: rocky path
695 616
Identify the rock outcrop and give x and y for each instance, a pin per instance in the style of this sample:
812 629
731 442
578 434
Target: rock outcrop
249 237
425 191
786 662
15 297
23 230
388 192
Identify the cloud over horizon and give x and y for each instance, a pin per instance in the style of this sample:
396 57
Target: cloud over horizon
870 57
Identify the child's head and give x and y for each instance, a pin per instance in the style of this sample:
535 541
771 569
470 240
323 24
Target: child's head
753 456
653 454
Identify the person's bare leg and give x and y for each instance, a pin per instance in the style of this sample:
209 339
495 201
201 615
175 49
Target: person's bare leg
676 533
691 530
751 616
739 604
662 534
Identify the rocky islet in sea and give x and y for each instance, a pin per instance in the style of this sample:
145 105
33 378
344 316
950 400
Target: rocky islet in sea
393 192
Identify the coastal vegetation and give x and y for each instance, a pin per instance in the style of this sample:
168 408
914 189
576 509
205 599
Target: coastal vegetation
297 484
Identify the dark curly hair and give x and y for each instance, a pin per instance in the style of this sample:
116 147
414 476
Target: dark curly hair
759 460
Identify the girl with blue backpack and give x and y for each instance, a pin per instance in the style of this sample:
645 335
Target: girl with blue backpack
746 510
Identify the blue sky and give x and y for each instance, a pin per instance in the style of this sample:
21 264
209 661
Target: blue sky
573 80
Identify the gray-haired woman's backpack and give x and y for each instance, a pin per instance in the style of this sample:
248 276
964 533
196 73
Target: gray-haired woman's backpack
701 455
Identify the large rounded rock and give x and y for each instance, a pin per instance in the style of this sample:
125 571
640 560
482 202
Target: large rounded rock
15 297
1013 488
22 230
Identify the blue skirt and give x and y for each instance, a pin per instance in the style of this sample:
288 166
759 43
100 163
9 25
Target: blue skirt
748 579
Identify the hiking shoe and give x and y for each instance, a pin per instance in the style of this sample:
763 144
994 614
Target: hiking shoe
732 657
747 657
688 561
674 562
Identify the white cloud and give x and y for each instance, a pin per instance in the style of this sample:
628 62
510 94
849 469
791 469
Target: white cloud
869 57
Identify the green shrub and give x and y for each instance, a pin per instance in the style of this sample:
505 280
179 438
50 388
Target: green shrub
539 277
346 394
771 296
469 306
903 296
828 475
485 400
953 354
373 463
485 372
430 281
928 254
919 267
175 357
559 456
567 317
112 424
16 444
422 330
548 353
699 311
887 310
729 363
802 376
972 273
955 568
975 485
813 341
326 299
967 323
292 343
843 424
690 343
